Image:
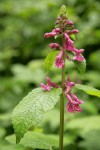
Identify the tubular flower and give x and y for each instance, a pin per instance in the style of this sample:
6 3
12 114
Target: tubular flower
73 101
78 56
45 87
69 44
74 31
59 62
69 85
54 45
49 84
73 107
69 22
76 99
53 33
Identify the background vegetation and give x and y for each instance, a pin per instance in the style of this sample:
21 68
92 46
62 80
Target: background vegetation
22 52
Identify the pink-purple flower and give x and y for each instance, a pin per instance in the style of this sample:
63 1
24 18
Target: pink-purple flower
69 85
69 44
74 31
54 32
59 62
54 45
78 56
73 107
73 102
47 87
69 22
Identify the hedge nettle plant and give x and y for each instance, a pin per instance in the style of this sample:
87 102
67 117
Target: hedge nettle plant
30 110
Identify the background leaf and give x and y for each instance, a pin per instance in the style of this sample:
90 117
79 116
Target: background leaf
30 110
5 145
40 140
88 142
88 89
85 124
36 140
50 59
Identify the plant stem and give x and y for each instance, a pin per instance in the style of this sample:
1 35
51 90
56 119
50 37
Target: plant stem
62 104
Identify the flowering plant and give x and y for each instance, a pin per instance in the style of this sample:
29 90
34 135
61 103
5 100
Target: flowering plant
31 109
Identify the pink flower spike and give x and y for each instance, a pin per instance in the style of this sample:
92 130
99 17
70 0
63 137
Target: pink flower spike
50 83
54 45
45 87
59 62
76 99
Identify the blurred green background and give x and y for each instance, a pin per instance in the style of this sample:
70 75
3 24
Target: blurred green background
22 52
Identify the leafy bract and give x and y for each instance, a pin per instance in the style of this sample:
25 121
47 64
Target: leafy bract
81 66
50 59
30 110
73 36
88 89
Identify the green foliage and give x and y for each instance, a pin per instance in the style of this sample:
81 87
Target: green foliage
2 132
4 145
89 143
81 66
22 51
30 110
88 89
36 140
72 36
63 11
51 57
85 124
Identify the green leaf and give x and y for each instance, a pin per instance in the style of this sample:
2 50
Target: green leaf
84 125
73 37
81 66
50 59
30 110
70 55
40 140
88 89
5 145
2 132
91 140
36 140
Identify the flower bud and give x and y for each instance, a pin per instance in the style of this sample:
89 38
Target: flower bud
54 45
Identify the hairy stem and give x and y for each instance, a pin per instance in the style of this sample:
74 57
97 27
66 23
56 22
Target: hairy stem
61 135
